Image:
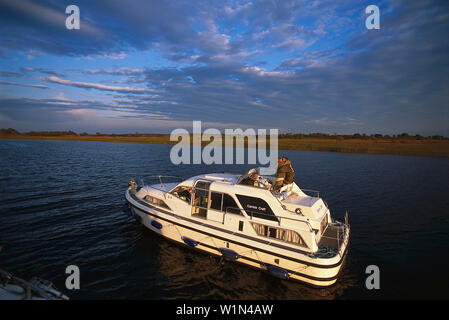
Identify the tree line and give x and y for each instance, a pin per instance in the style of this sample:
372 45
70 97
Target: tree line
359 136
11 131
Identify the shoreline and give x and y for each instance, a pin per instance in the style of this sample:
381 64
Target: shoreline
410 147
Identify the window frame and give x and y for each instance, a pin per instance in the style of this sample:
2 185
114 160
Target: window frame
245 200
172 192
266 232
202 210
156 201
221 202
223 194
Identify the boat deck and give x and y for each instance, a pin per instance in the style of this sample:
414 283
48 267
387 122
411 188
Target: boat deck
299 200
166 187
332 237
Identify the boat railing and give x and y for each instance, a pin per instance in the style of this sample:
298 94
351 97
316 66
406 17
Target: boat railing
316 192
298 220
161 179
29 286
338 235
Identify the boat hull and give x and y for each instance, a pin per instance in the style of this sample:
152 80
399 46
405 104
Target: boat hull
318 272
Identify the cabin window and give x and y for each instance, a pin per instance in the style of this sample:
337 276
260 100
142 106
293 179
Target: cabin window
229 205
183 193
156 201
202 185
256 207
200 198
223 202
216 201
279 233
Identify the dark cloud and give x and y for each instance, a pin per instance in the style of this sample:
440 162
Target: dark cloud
40 27
179 30
106 26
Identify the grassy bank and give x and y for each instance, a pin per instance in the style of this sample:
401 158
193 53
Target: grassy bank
430 148
373 145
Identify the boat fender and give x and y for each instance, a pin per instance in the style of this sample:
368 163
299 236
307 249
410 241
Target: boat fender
229 254
189 241
278 272
156 224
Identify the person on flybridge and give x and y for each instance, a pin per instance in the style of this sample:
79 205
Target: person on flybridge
256 180
285 176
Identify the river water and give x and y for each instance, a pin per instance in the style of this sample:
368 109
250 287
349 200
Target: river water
61 204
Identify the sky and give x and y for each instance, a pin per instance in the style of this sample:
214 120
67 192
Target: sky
154 66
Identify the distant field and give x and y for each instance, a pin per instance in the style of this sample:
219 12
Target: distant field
433 148
397 146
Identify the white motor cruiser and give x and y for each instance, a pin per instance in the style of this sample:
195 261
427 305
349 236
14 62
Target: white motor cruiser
289 234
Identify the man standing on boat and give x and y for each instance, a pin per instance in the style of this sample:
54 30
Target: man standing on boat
285 175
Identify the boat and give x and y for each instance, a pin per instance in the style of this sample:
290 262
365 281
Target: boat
288 234
15 288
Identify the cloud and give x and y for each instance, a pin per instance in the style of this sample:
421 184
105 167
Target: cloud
36 28
10 74
42 70
262 72
238 8
80 112
309 59
111 29
118 71
88 85
40 86
346 121
392 81
36 113
113 55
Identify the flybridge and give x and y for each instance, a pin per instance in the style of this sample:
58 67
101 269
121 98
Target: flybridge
213 154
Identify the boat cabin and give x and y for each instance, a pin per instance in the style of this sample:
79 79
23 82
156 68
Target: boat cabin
292 217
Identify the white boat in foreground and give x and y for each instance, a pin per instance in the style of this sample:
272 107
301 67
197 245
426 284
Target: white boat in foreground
291 235
15 288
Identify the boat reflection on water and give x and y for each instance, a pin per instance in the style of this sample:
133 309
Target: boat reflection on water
201 276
